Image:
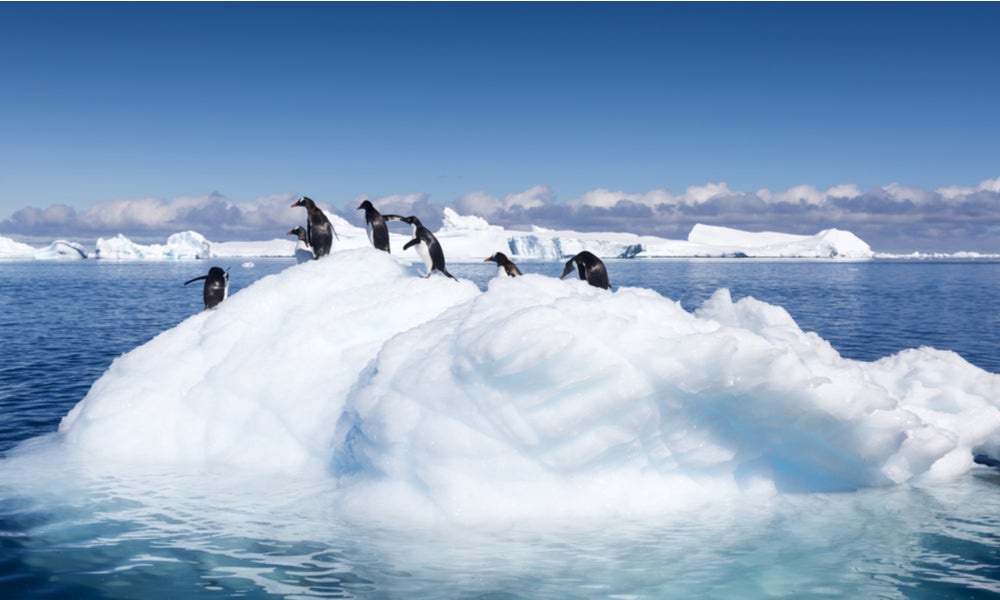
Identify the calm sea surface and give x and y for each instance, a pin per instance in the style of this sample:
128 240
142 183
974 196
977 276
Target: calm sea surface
62 323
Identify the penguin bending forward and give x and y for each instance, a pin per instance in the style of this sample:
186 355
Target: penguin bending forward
378 233
506 266
427 245
216 286
319 230
591 269
303 252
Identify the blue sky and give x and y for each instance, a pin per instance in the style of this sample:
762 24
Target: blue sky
589 116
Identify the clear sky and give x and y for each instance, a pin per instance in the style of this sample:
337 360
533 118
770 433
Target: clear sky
522 112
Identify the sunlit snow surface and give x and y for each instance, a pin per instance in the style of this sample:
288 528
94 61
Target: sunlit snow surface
538 398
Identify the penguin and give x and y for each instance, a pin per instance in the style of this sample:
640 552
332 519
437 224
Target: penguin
319 230
591 269
428 247
506 266
216 286
303 251
378 233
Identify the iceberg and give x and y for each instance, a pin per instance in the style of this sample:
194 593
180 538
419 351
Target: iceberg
536 398
186 245
468 238
61 250
57 250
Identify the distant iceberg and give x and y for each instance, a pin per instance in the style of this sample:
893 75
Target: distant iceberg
473 238
57 250
470 238
180 246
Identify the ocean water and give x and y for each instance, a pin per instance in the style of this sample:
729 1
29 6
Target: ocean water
61 324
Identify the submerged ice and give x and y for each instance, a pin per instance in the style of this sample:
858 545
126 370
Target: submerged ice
534 398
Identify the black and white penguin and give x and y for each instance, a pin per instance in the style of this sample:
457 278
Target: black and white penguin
428 247
319 229
506 266
591 269
303 251
378 233
216 286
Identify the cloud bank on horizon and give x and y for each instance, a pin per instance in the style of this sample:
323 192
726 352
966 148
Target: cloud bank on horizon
892 218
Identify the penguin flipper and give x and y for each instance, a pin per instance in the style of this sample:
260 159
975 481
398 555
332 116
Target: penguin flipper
985 459
196 279
393 218
410 243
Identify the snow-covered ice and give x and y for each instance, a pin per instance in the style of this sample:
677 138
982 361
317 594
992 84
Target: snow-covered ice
537 398
57 250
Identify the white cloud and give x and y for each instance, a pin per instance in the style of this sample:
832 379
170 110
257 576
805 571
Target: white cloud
485 205
143 213
534 197
901 193
600 198
702 194
957 191
400 204
843 191
266 210
479 203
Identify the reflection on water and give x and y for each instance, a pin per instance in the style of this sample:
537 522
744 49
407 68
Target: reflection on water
163 534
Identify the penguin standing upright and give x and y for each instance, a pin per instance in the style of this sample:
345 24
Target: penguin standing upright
378 233
319 230
591 269
428 247
303 252
216 286
507 267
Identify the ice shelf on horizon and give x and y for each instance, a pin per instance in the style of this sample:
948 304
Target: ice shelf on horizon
471 238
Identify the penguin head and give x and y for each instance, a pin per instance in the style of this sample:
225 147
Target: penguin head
412 220
569 267
217 273
304 201
498 257
366 205
298 232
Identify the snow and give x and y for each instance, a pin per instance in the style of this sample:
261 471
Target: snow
470 238
57 250
180 246
829 243
61 250
535 399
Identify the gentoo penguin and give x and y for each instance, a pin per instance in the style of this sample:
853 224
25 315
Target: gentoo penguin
591 269
303 251
319 230
216 286
427 247
506 267
378 233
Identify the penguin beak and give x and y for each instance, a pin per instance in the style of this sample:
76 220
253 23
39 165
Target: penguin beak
566 271
486 260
